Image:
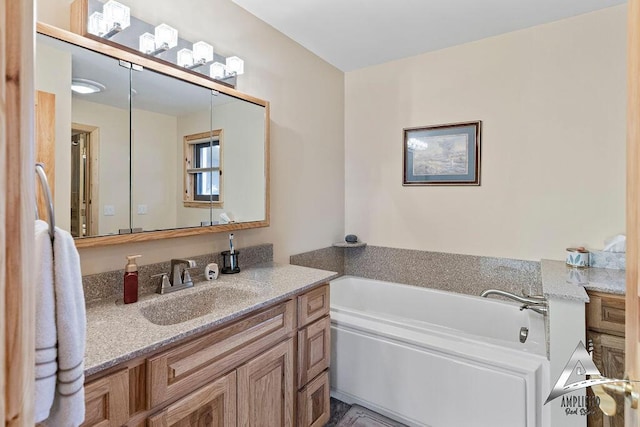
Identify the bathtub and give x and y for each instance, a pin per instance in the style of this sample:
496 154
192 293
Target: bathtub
433 358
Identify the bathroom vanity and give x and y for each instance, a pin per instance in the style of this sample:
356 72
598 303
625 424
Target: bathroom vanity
260 357
605 332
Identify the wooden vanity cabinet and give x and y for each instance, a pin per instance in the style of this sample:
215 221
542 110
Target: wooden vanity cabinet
265 369
605 332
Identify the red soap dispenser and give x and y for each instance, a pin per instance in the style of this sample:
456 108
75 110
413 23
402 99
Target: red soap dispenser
131 280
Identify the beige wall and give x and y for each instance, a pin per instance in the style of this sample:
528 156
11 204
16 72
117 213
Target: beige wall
552 102
307 130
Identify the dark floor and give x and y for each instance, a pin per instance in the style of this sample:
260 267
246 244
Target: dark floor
338 410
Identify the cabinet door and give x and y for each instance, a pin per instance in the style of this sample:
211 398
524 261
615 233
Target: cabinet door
313 402
213 405
314 351
608 356
266 388
107 401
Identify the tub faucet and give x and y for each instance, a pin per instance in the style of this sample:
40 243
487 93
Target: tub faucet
536 303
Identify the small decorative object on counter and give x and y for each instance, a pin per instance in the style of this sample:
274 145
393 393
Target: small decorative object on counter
211 271
577 257
131 280
351 238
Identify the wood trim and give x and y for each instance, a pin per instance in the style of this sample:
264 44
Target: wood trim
18 194
45 116
632 331
92 242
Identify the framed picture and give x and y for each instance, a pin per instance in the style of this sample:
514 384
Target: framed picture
442 155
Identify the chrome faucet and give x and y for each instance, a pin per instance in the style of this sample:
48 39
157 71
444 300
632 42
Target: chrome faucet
180 277
537 303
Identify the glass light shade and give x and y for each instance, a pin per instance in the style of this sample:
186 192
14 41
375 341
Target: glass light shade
166 34
185 57
116 13
217 70
147 43
84 86
235 65
202 51
97 24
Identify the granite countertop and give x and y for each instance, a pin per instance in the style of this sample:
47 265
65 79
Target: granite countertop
117 332
560 281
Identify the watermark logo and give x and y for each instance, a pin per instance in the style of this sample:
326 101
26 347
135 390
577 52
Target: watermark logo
572 378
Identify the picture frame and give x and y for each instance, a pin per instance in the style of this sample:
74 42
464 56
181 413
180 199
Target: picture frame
442 154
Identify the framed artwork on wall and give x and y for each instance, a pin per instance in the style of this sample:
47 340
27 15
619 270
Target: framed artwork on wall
442 155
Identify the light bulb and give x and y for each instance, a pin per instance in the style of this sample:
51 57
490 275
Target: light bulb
217 70
147 43
166 35
202 52
185 57
116 13
235 65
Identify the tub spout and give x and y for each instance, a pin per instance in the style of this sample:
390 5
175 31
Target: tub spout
536 303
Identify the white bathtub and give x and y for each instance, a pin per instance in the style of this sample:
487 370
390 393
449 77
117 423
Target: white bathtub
433 358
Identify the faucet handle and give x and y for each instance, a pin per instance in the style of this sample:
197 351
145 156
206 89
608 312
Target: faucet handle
164 283
186 277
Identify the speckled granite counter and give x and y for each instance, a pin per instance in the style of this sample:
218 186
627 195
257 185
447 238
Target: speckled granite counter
117 332
560 281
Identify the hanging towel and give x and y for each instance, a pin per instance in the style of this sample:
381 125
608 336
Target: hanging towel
46 353
68 404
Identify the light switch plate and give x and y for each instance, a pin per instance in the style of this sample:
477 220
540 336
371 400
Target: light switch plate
142 209
109 210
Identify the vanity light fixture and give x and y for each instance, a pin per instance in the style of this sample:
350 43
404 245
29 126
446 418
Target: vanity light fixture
85 87
114 18
201 54
165 38
235 65
218 70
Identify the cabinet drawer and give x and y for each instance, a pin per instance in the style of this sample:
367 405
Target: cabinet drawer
212 405
174 373
107 400
605 313
313 402
313 305
314 350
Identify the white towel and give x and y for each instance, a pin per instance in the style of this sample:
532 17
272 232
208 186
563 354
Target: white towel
46 353
68 404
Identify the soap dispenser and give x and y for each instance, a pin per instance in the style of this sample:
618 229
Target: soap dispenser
131 280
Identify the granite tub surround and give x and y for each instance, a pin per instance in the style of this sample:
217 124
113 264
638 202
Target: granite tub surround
563 282
466 274
331 258
107 285
117 332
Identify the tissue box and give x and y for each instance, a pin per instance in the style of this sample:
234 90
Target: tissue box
612 260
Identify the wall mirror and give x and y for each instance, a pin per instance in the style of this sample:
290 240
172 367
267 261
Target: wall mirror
141 150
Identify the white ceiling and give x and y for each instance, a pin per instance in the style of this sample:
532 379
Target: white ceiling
352 34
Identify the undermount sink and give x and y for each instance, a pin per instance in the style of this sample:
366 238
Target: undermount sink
175 308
